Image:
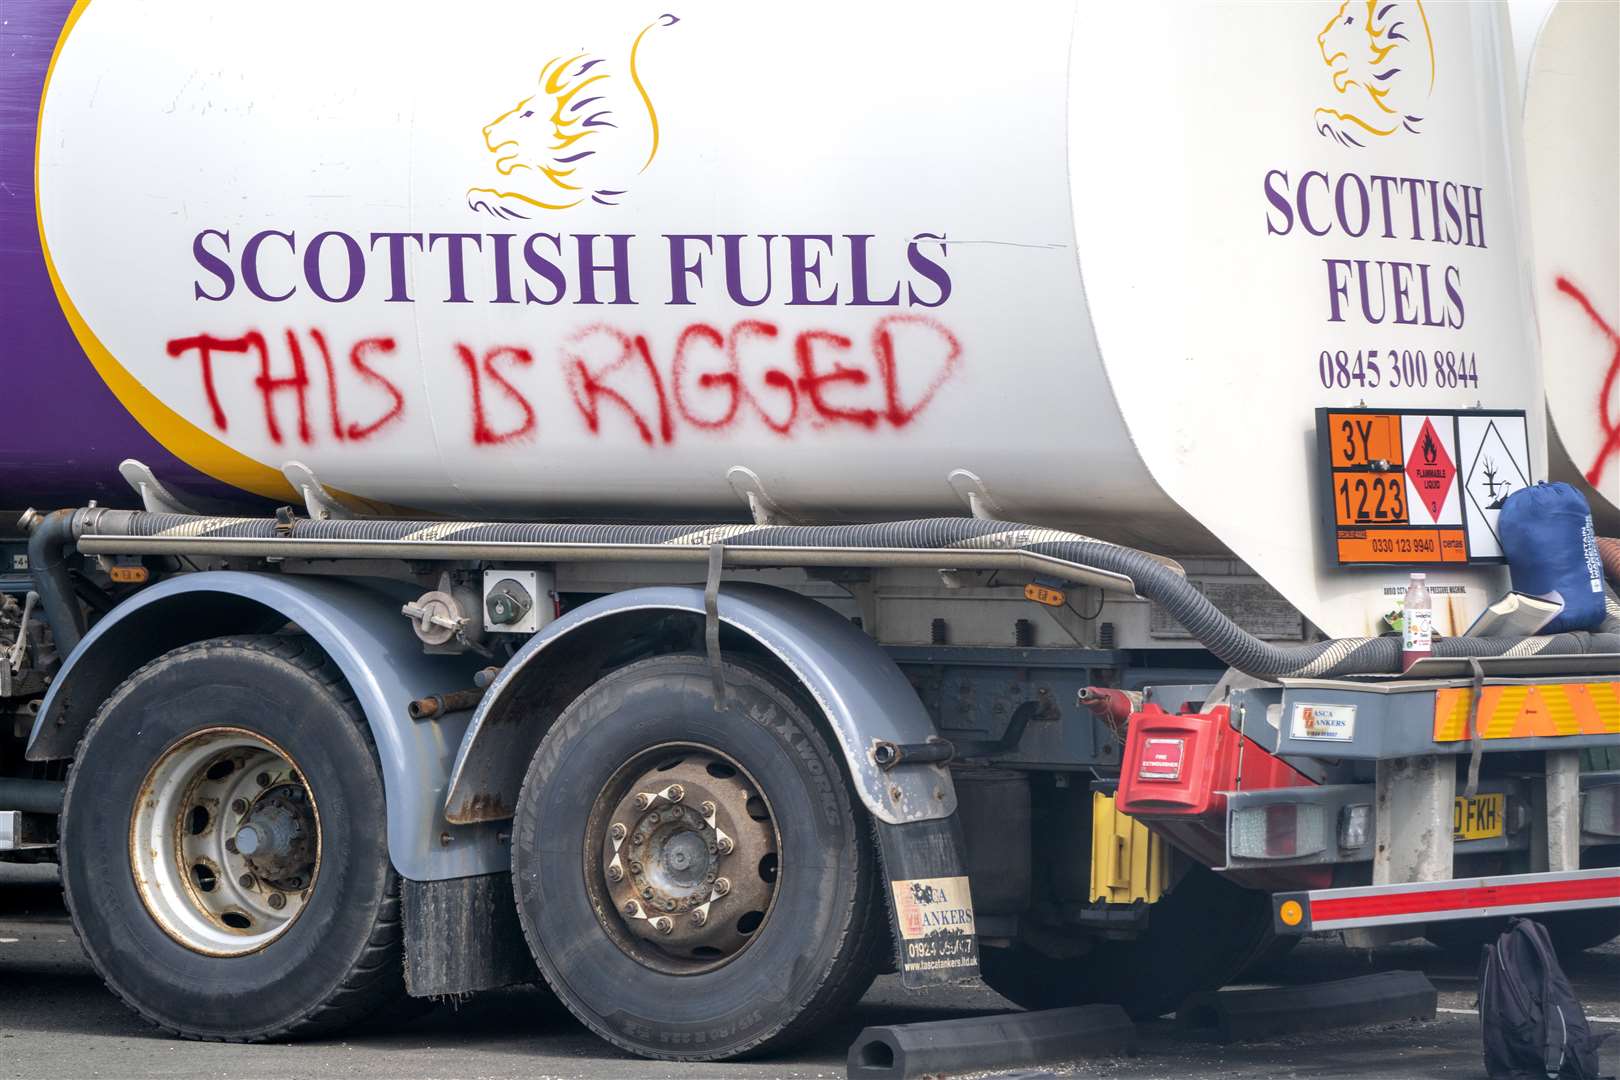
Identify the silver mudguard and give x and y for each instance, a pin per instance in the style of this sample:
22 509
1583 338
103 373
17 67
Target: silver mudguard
860 690
361 629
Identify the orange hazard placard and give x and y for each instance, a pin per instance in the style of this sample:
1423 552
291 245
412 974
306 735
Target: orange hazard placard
1361 498
1391 486
1364 439
1402 545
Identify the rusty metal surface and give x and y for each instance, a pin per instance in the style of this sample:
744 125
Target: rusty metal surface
683 849
857 686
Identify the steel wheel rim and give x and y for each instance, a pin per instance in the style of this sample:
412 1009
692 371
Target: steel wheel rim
708 851
210 795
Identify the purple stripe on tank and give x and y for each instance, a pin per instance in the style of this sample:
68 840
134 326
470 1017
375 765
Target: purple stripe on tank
64 431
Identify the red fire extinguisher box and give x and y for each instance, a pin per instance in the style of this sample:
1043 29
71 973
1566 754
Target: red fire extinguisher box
1172 762
1182 764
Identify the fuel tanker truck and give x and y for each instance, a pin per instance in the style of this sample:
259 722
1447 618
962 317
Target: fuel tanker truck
702 506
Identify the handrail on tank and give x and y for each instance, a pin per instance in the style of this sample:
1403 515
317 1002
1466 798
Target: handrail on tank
737 557
934 543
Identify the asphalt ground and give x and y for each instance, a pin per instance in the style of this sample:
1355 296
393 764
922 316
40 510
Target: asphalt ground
57 1021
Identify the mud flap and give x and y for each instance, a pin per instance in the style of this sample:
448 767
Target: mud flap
930 904
462 936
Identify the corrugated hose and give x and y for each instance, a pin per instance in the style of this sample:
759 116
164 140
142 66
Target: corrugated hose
1152 578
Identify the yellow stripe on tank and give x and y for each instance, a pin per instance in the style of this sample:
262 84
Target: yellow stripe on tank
174 432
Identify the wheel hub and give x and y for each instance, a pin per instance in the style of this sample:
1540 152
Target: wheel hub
225 842
277 837
688 855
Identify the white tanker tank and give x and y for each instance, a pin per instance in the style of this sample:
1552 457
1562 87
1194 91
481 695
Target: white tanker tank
542 261
1572 147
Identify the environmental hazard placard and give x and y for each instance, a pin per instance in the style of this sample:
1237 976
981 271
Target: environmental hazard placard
1418 487
1496 463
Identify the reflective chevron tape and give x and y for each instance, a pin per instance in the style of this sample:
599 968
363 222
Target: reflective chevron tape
1521 712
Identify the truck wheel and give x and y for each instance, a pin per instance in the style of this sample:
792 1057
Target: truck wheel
224 855
695 884
1200 936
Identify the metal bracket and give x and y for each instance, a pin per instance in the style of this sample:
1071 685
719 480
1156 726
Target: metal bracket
751 490
155 498
1475 741
711 622
321 504
1080 627
19 648
971 490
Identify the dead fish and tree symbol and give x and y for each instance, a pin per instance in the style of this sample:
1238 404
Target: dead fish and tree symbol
1491 483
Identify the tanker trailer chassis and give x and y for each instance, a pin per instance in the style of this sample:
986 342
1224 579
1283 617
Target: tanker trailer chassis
319 764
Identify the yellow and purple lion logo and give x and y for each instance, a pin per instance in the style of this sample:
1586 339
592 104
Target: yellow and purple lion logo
578 138
1381 54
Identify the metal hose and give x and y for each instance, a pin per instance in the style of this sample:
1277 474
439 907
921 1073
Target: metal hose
31 796
49 537
1152 577
1609 552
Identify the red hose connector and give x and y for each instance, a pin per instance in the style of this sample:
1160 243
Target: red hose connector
1113 707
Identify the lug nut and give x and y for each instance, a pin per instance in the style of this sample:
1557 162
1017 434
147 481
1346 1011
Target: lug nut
278 901
618 831
725 845
615 873
643 800
722 886
708 808
655 817
668 905
638 838
247 881
230 844
635 867
663 924
646 894
699 917
239 806
675 793
263 779
631 909
295 883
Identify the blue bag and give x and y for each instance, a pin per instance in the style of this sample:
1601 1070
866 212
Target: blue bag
1551 548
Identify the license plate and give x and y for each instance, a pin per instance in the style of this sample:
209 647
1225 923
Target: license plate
1478 818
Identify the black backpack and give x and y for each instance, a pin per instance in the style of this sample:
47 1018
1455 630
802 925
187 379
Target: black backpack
1534 1028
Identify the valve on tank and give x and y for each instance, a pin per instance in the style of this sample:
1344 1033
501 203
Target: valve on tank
443 618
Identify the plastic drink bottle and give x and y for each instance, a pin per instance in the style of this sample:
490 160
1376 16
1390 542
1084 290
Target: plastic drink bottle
1417 622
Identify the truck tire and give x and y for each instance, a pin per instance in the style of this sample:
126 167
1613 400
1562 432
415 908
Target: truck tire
224 850
1200 936
695 884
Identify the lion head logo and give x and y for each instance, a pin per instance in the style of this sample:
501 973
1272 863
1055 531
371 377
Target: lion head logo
582 136
1381 55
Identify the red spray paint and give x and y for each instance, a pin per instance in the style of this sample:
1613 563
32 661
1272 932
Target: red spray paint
1608 425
